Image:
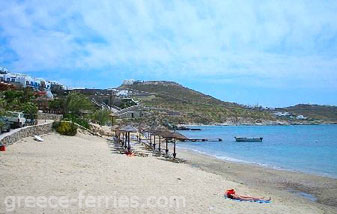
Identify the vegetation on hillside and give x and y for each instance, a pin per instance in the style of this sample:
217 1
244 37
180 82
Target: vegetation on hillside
76 103
102 117
317 112
78 108
194 106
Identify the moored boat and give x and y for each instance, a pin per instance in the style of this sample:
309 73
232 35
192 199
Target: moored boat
248 139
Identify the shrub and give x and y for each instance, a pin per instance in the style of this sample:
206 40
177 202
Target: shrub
30 109
101 116
80 121
66 128
75 102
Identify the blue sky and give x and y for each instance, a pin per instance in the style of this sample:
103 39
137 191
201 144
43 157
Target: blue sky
272 53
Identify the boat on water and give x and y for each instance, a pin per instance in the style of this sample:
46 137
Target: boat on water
248 139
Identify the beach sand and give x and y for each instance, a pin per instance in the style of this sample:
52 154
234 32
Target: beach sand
321 191
84 164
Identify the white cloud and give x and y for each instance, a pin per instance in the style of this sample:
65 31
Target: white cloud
276 40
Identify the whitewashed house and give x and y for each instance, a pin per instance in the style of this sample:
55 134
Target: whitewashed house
24 81
301 117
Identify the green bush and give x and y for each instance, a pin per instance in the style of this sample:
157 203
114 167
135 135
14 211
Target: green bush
66 128
102 117
80 121
76 102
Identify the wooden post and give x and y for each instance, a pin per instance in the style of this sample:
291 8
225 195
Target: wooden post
166 150
174 148
154 142
129 147
159 143
150 138
126 140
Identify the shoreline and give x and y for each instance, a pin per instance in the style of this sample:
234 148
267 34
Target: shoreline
320 190
257 124
239 161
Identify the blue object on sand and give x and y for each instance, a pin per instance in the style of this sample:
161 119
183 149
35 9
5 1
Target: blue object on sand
258 201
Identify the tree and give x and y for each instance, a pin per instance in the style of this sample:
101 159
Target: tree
12 95
75 102
28 95
101 116
30 109
3 105
57 105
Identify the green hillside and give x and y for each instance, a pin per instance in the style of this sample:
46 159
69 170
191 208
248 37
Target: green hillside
194 106
317 112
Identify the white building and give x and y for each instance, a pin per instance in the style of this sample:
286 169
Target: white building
24 81
282 114
123 93
128 82
301 117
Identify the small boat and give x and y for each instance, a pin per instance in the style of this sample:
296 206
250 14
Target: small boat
248 139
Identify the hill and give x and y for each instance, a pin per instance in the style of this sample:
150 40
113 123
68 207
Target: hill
317 112
193 106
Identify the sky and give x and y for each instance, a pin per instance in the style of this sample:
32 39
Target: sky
269 53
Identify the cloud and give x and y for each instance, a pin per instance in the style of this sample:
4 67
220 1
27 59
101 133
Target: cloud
278 41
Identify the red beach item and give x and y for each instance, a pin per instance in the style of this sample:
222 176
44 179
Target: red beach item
2 148
229 193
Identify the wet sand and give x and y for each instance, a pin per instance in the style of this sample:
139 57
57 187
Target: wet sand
318 190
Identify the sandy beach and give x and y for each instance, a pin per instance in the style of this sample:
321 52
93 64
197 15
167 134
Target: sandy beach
319 190
84 171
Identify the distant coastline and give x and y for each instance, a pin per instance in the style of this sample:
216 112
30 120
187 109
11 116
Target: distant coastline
267 123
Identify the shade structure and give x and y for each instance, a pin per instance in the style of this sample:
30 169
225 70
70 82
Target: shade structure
172 135
159 130
112 114
143 128
115 127
128 128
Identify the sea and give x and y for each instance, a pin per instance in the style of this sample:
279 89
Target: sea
304 148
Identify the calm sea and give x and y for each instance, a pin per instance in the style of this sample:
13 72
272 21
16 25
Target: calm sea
311 149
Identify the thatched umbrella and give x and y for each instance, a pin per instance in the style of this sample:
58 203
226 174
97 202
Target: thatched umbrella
141 129
112 116
157 132
115 128
179 136
127 130
169 135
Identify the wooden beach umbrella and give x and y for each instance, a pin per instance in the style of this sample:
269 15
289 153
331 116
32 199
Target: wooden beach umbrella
169 135
115 129
141 129
179 136
112 116
157 132
127 130
153 132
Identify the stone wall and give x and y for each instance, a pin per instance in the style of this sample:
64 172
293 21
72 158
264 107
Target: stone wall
28 131
47 116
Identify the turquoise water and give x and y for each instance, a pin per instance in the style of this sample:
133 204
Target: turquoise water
311 149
